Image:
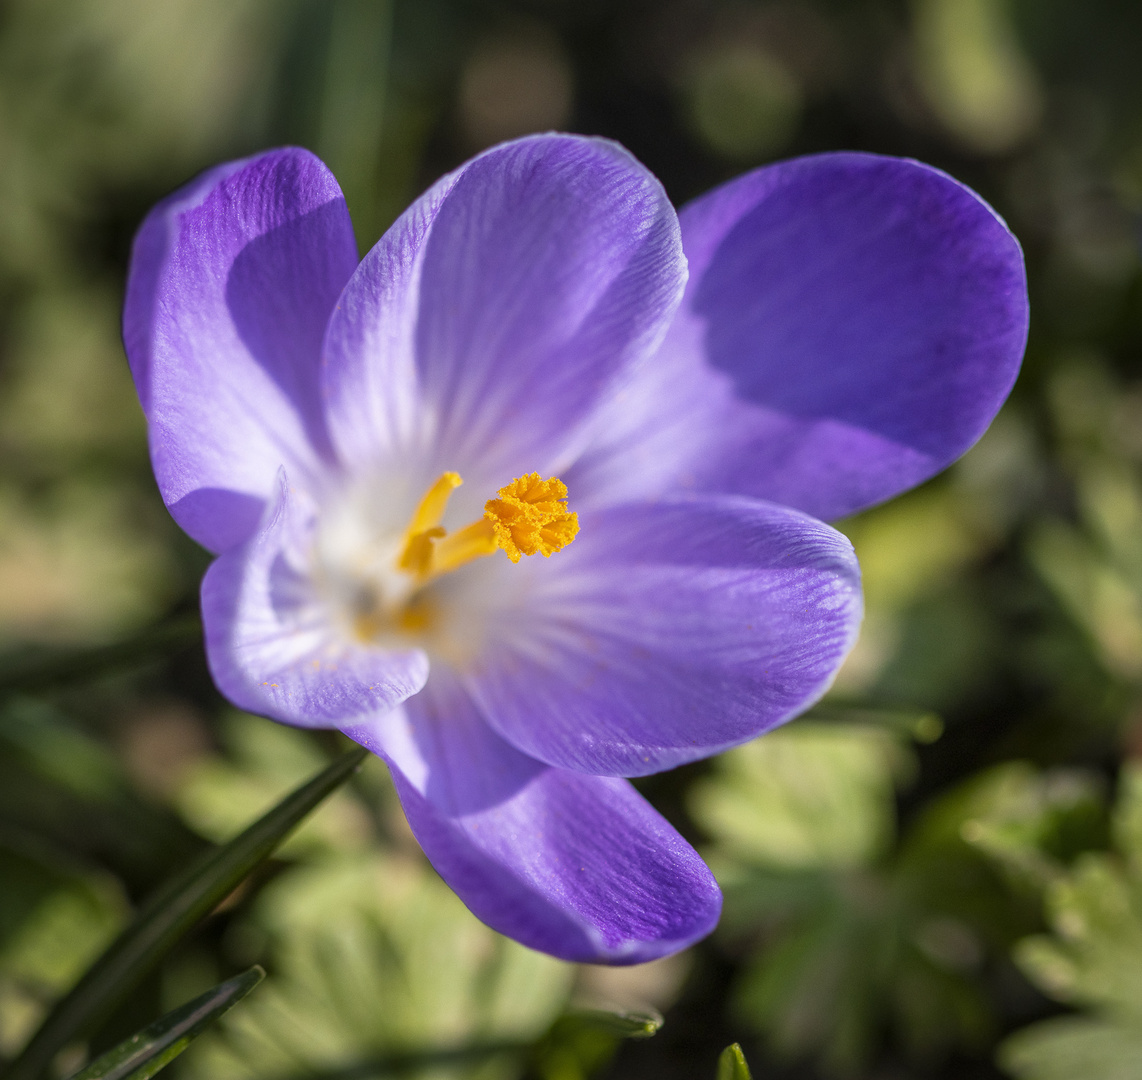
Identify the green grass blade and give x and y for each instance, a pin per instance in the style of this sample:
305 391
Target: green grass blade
585 1036
732 1064
158 1044
168 916
627 1025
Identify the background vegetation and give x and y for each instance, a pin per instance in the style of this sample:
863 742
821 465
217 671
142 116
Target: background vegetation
938 874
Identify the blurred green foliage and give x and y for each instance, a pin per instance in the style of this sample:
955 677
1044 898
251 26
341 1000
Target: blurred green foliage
374 955
371 953
928 878
1092 958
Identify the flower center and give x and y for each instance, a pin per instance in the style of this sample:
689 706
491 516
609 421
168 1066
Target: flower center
529 516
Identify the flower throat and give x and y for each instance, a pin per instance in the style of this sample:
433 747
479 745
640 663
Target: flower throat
529 516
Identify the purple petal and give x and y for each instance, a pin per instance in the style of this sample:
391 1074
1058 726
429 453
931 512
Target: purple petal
231 284
501 307
581 867
270 641
851 325
668 632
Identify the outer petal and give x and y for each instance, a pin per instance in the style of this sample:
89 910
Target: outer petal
231 284
270 643
581 867
498 311
668 632
851 325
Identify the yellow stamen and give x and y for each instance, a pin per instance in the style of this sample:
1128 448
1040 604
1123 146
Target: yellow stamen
431 508
424 528
417 557
474 541
531 516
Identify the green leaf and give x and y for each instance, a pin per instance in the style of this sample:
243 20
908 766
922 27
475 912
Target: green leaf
815 795
732 1064
218 795
377 962
168 916
1031 822
1091 958
1094 955
1074 1046
158 1044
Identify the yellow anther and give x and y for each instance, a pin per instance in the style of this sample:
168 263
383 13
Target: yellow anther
531 516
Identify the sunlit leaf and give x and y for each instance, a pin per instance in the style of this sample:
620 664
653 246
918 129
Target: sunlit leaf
838 951
1092 958
219 794
811 795
1030 821
52 925
375 960
1073 1047
64 933
158 1044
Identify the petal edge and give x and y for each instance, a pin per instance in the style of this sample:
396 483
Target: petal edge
581 867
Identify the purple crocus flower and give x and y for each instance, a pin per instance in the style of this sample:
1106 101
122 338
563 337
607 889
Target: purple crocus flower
663 406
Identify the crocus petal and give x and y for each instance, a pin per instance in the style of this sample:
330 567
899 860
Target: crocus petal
270 642
501 307
231 284
668 632
581 867
851 325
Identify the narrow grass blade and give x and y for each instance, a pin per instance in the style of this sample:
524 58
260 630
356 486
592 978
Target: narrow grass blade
158 1044
586 1037
168 916
627 1025
732 1064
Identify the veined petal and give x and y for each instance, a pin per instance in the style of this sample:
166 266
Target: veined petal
851 325
668 632
231 285
581 867
502 306
270 642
